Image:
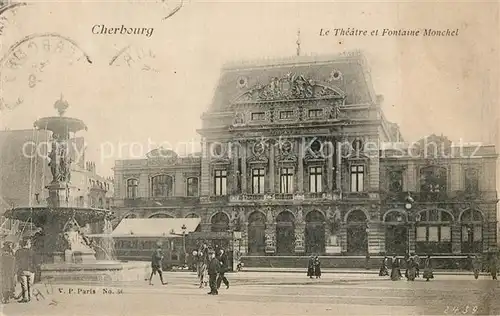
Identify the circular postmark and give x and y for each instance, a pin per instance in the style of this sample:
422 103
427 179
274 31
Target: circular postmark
135 57
25 64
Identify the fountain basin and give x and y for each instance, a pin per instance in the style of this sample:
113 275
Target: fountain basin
97 272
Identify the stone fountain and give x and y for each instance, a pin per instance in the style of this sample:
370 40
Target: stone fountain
64 251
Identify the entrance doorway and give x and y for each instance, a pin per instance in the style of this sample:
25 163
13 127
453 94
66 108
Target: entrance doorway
256 234
357 233
396 239
315 233
285 233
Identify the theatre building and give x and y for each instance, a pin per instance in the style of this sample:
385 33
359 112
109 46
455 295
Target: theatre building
298 159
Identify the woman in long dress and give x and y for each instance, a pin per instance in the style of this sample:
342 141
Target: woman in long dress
383 268
411 271
476 266
310 267
428 274
317 267
395 269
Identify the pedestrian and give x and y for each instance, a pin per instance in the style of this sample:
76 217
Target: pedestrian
476 266
310 267
383 268
317 268
213 270
395 269
428 274
25 266
493 266
8 273
411 270
156 264
416 260
406 263
223 268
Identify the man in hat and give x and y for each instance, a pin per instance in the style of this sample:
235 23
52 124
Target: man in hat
25 264
224 266
156 264
213 270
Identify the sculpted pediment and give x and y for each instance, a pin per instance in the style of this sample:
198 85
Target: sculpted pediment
290 87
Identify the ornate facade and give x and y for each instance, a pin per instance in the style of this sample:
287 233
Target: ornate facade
299 158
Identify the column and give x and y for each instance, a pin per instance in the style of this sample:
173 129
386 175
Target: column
456 235
343 239
329 171
338 168
144 185
236 175
244 168
180 184
300 229
300 171
270 238
411 238
243 246
271 169
376 238
205 170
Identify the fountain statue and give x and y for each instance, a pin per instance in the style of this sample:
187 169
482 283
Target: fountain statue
61 243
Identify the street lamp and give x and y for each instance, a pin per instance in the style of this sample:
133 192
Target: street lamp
184 241
408 206
469 238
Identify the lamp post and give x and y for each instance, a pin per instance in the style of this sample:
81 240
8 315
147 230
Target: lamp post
184 241
408 206
469 238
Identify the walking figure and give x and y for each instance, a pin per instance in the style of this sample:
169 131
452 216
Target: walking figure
223 268
395 269
411 270
493 266
476 266
213 270
156 264
428 274
416 259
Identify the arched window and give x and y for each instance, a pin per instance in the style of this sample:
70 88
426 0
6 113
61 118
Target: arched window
132 188
161 186
220 222
192 215
396 232
471 222
192 187
433 180
101 203
433 232
130 216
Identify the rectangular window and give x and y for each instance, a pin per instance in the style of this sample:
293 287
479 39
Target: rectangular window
220 182
315 179
357 178
421 233
286 115
286 180
315 113
445 233
258 181
433 234
478 233
258 116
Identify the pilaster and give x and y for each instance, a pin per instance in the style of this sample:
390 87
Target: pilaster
376 238
243 246
271 169
205 171
300 168
270 238
244 168
338 168
343 238
456 236
411 238
144 185
330 172
180 184
300 237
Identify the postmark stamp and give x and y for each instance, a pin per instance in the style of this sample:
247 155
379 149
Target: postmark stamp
136 57
25 64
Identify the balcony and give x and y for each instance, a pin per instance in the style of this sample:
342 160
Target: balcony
160 201
285 197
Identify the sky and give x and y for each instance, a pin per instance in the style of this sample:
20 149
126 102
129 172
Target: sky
442 85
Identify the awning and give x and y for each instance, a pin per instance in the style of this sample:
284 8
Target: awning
153 227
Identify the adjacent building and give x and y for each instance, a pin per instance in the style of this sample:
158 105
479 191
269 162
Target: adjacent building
298 158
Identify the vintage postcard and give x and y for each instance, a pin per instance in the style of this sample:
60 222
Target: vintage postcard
248 158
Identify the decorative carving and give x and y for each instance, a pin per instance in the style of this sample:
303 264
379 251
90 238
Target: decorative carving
433 148
299 215
335 75
242 82
269 215
239 119
334 219
290 87
161 156
270 240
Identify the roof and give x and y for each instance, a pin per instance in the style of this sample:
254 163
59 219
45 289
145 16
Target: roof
354 81
155 227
